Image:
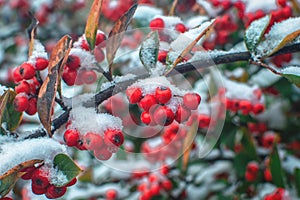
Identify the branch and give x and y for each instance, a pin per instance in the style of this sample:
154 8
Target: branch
215 59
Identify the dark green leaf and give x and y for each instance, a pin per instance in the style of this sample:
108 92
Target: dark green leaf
297 181
292 73
67 166
276 168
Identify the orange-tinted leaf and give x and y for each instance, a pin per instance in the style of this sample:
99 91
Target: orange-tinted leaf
187 144
92 23
8 179
190 47
32 31
47 93
172 10
117 33
8 114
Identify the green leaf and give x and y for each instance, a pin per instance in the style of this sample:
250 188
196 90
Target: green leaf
292 73
247 154
255 31
8 114
297 181
92 23
67 166
280 34
149 50
276 169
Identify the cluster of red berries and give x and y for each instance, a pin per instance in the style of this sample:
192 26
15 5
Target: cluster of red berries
278 194
281 59
102 146
154 184
74 72
244 106
113 10
28 85
158 23
283 12
41 183
257 127
155 106
252 171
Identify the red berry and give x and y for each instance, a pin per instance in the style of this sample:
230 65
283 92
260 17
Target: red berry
250 176
267 175
54 192
40 179
147 102
27 71
28 172
72 182
253 167
164 170
282 3
6 198
100 39
69 76
134 95
99 54
268 139
23 86
167 184
163 116
93 141
225 4
258 108
245 106
146 118
32 106
182 114
111 194
204 121
71 137
41 63
155 189
21 102
162 56
73 62
38 191
191 100
163 94
102 154
180 28
88 76
113 137
84 45
16 75
157 23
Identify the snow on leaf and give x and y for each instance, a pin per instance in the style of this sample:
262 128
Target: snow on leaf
279 35
66 165
149 51
255 32
205 27
14 152
292 73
